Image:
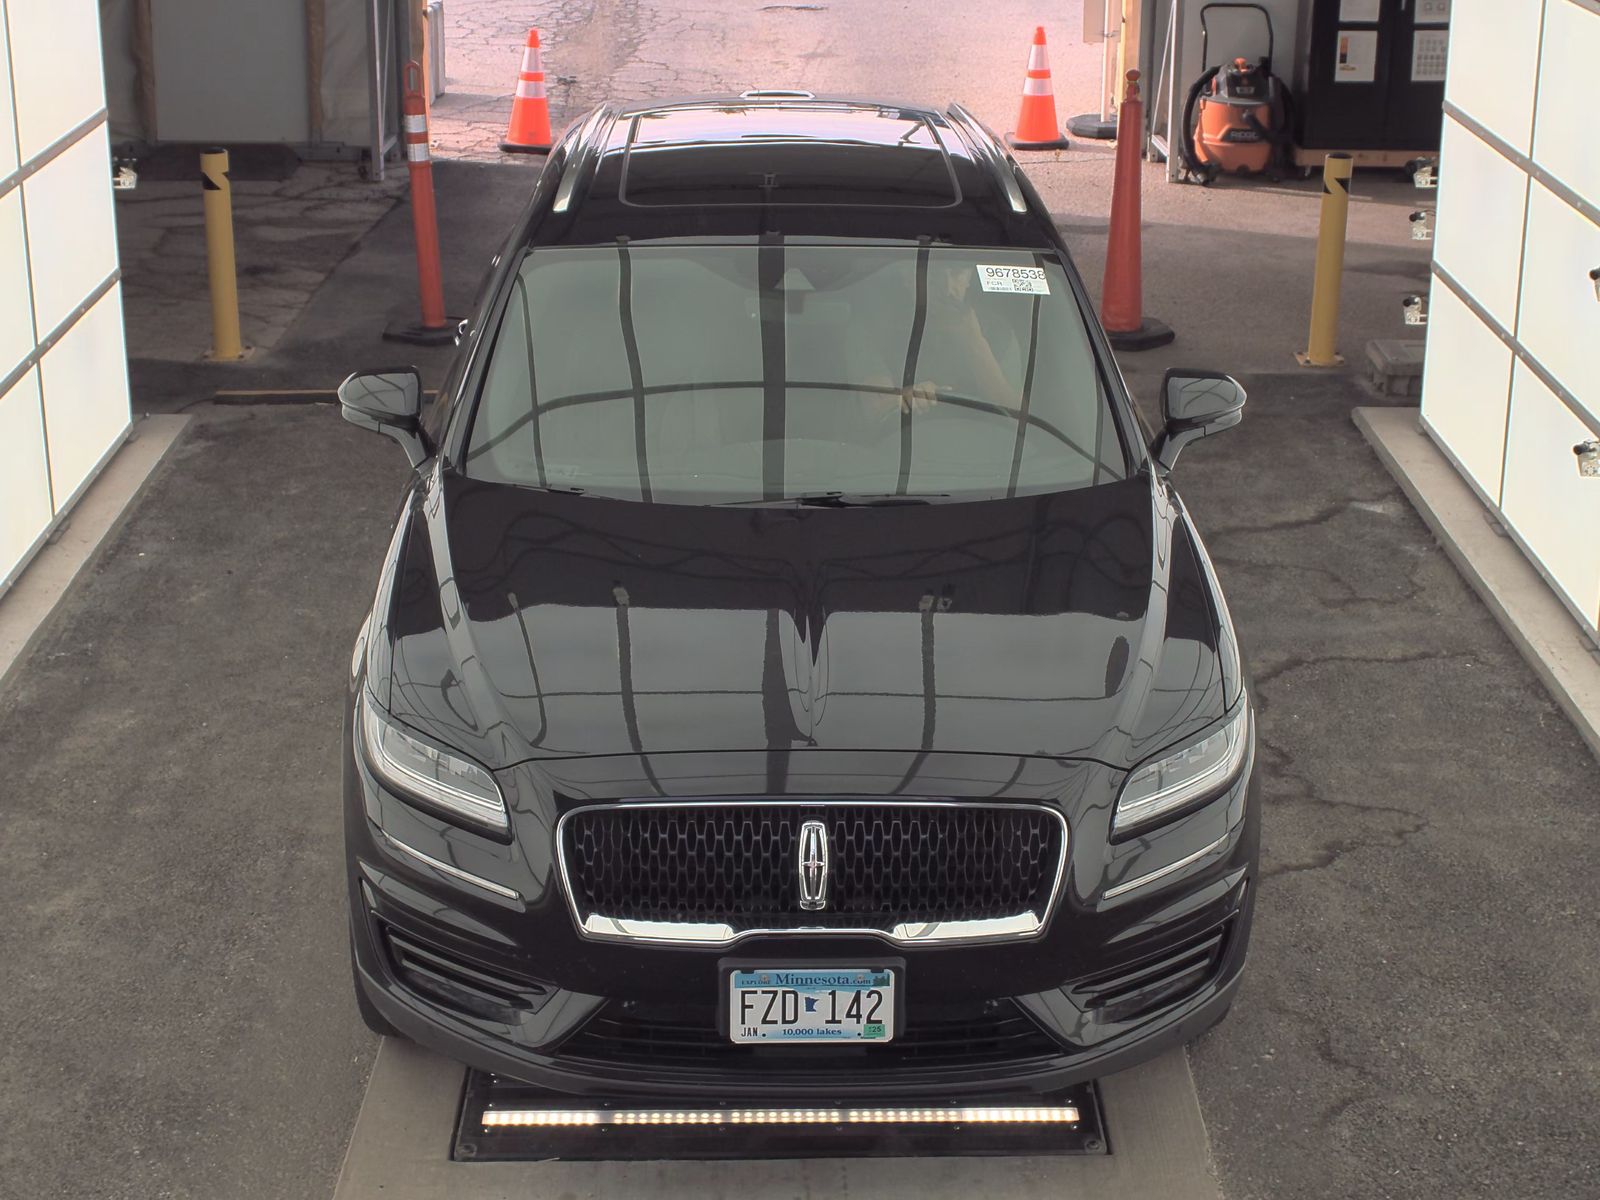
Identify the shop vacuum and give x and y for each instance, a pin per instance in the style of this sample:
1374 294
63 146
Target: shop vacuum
1236 119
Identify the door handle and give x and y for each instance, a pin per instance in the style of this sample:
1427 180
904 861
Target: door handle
1594 278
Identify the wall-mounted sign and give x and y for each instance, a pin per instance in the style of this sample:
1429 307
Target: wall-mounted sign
1428 54
1358 10
1355 56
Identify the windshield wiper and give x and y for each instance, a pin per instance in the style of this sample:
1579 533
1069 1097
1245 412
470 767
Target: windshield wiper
843 500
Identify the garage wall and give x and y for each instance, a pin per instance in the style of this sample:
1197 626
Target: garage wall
63 366
1512 379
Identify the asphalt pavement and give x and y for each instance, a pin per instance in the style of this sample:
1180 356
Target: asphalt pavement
175 1014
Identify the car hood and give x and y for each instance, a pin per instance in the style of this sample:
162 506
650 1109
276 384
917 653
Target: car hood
536 625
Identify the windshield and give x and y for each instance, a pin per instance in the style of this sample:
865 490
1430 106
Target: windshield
776 372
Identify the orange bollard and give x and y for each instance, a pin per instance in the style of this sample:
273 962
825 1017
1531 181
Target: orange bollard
1122 292
435 328
529 132
1037 127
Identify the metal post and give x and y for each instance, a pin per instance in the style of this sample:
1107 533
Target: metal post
1320 350
376 80
1111 31
1107 29
217 202
434 329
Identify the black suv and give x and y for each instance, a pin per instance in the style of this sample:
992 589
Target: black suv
793 673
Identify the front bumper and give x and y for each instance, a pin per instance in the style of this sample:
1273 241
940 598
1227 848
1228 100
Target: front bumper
471 1043
1067 989
1078 1040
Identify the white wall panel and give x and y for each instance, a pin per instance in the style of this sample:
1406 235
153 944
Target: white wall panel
55 55
1560 313
1494 63
8 128
16 305
72 233
1479 225
24 485
1465 379
85 379
1553 509
1569 98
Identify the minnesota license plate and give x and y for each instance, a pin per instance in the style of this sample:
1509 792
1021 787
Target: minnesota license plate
811 1004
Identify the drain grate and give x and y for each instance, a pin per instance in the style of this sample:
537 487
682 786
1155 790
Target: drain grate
502 1120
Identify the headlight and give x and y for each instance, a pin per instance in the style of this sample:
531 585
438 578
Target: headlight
456 786
1174 780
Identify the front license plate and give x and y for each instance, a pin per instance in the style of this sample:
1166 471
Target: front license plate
811 1004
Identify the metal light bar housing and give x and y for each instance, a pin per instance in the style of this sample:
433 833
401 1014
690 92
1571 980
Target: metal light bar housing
1040 1114
507 1120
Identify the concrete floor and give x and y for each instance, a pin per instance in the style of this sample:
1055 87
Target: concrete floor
1419 1015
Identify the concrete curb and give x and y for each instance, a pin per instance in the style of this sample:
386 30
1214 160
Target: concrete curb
1543 632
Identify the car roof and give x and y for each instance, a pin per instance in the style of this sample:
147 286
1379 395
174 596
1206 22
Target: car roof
786 164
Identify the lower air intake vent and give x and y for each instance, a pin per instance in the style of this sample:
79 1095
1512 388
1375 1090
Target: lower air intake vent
648 1035
1136 991
447 980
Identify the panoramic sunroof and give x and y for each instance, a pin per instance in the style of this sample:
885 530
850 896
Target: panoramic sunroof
775 155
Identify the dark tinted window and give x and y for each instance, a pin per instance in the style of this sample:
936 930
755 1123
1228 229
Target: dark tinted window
814 155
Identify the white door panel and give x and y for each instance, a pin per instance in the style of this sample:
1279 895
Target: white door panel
1559 322
1494 56
85 378
16 302
1479 238
1569 97
26 511
1553 509
1466 378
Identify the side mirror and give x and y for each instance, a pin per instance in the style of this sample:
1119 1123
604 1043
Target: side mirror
1195 404
389 402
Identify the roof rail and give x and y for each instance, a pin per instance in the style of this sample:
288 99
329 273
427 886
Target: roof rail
580 157
986 146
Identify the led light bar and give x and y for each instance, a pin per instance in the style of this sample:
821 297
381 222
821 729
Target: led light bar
1046 1114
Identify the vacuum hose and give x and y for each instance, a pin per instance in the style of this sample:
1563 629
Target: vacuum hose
1191 156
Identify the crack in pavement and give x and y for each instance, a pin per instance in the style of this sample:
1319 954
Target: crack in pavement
1321 517
1299 662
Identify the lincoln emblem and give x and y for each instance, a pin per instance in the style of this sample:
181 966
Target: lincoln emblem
812 861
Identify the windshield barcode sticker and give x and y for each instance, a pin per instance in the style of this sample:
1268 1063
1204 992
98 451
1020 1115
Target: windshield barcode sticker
1027 280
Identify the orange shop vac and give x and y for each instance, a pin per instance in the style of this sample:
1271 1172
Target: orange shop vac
1236 119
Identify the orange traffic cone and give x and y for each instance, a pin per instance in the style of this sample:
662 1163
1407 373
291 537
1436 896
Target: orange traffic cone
529 132
1037 128
1122 289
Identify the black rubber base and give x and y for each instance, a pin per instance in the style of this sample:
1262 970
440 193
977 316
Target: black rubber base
476 1142
1089 125
1148 336
1058 144
514 148
414 333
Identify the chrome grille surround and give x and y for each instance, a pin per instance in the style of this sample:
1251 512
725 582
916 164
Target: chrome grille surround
1027 922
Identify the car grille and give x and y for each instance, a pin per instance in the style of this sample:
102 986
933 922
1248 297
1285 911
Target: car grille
737 864
686 1036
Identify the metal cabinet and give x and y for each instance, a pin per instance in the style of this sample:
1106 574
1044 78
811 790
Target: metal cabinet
1371 73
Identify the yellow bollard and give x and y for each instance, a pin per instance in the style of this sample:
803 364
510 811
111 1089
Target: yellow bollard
218 201
1320 351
